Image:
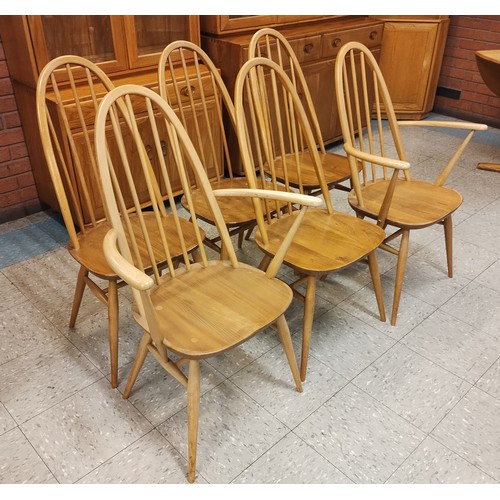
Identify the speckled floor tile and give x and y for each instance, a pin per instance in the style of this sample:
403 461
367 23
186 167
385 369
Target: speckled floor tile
43 377
269 381
158 396
49 282
235 359
454 345
471 430
233 432
11 295
433 463
491 276
150 460
478 306
24 243
490 381
360 436
84 431
412 310
428 283
291 461
345 343
19 463
91 337
24 328
6 421
469 260
412 386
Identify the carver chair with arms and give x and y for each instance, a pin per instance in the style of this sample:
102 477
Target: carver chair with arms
270 43
193 310
383 190
187 75
273 129
69 90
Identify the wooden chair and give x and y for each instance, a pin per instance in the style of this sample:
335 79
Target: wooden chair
195 310
273 129
187 75
270 43
384 190
70 156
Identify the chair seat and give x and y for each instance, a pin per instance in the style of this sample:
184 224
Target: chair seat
415 204
324 242
335 168
209 310
236 211
91 255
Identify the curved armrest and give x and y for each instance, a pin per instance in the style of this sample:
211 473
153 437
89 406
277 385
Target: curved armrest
443 124
121 266
270 194
378 160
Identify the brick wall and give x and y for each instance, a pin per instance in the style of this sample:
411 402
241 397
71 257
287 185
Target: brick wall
459 71
18 195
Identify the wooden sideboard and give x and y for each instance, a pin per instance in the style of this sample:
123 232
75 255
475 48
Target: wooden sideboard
411 56
127 48
316 41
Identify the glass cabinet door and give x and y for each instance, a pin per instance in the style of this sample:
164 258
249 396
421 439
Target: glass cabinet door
97 38
147 36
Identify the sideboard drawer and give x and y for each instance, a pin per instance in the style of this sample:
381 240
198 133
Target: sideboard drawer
370 36
307 48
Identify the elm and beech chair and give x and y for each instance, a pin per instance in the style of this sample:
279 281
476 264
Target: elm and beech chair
68 93
273 128
270 43
194 310
192 85
383 189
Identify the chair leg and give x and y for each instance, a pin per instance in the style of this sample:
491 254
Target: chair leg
193 390
286 341
77 298
113 330
400 272
140 356
448 239
377 285
309 303
264 263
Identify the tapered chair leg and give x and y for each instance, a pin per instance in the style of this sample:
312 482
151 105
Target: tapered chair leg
377 284
286 341
77 298
448 239
142 352
400 272
309 304
113 330
193 389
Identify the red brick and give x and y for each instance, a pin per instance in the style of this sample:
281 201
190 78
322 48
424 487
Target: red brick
6 86
11 136
5 154
4 70
25 180
12 119
18 150
7 103
8 184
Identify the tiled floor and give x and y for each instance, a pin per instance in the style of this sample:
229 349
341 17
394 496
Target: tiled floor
415 403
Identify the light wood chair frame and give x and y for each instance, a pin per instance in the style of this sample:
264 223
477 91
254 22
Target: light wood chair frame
270 43
168 333
177 81
355 68
309 256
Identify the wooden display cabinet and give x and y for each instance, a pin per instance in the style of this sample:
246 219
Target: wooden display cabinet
316 41
411 56
127 48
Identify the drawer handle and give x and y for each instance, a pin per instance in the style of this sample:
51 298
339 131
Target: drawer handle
373 35
337 42
186 91
149 150
308 48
